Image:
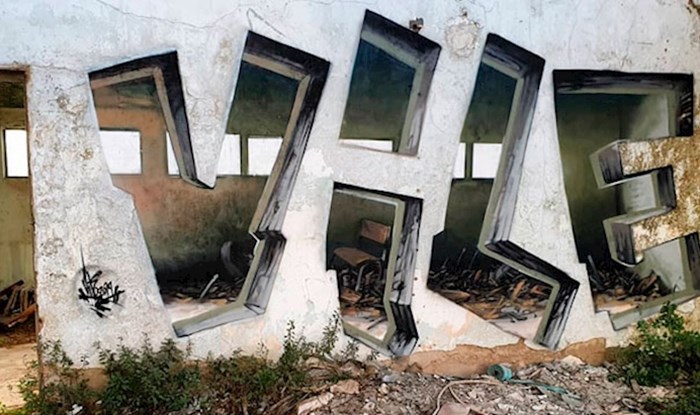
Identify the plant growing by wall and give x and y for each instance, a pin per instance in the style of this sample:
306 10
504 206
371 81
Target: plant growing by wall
665 353
166 379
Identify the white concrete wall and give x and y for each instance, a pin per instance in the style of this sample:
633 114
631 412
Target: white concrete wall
76 206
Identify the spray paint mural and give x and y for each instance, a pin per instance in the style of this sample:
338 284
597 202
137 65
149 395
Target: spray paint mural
456 183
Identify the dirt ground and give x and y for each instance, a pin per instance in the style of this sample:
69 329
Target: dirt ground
17 347
12 368
585 390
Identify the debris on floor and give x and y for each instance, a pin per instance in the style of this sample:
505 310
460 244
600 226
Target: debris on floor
617 289
362 302
489 289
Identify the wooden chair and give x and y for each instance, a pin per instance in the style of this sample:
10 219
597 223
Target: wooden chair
371 251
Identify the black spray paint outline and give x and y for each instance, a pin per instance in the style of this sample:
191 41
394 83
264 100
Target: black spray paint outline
402 334
526 68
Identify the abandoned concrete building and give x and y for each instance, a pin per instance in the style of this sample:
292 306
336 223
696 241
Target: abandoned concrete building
459 181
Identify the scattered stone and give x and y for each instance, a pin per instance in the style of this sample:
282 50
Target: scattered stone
312 404
391 378
352 370
571 362
394 393
347 387
455 409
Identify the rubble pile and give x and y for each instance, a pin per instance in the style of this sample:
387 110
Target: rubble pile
565 387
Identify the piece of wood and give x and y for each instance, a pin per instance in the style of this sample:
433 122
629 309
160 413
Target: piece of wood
349 296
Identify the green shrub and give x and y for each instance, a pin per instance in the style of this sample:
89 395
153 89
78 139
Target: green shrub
165 380
248 384
149 381
664 351
63 386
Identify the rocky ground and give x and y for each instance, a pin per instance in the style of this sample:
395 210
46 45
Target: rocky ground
566 387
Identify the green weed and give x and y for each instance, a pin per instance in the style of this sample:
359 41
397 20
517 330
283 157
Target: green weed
665 353
165 380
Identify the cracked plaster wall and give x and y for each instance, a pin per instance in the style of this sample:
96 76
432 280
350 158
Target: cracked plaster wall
76 206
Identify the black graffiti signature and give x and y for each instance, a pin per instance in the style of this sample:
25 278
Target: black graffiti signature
99 297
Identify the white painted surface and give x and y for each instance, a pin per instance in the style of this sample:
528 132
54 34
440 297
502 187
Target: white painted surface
75 205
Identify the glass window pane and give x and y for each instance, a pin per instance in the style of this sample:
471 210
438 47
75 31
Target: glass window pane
16 153
122 150
485 160
262 153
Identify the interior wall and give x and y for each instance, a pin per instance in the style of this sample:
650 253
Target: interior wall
16 224
184 225
585 123
485 122
378 98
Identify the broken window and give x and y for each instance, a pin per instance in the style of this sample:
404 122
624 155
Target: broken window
215 250
371 244
122 149
389 87
486 274
16 154
17 278
594 109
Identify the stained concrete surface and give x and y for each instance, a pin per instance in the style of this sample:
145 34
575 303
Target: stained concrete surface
12 368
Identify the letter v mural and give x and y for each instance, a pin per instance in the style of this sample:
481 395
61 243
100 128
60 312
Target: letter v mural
215 250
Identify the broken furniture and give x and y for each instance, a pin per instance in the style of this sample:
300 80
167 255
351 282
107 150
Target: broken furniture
17 304
370 253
